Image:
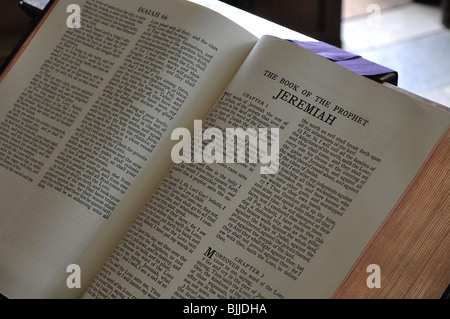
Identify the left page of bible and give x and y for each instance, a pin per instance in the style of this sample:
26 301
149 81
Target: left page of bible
84 117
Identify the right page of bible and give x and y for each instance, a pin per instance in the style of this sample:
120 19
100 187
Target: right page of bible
293 226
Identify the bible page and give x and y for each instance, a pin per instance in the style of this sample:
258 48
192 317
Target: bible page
334 153
86 108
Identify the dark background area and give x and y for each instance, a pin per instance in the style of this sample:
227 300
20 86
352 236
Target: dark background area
318 19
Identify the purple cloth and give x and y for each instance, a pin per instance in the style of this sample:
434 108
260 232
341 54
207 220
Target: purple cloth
351 61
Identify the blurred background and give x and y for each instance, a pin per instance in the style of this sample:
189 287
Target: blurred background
409 36
14 22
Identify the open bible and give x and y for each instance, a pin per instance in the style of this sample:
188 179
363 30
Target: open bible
100 198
